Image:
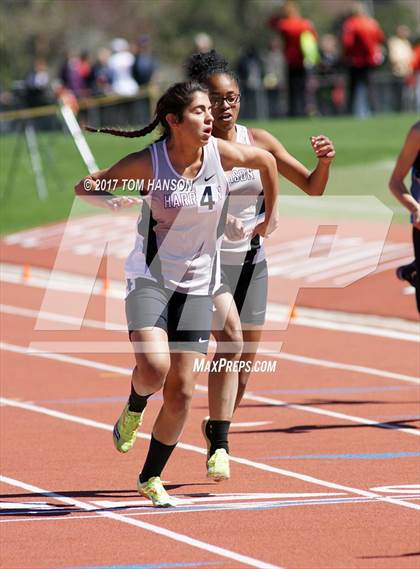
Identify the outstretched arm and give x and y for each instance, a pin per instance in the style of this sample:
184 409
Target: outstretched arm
405 161
312 183
136 166
244 156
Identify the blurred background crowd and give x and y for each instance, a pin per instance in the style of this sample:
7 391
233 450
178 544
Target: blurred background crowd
308 58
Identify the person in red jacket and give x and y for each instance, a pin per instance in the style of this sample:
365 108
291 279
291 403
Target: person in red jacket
290 25
362 38
415 65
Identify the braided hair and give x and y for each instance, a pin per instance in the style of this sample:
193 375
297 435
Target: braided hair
173 101
201 66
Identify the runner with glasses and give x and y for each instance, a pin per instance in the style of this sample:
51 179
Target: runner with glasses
241 300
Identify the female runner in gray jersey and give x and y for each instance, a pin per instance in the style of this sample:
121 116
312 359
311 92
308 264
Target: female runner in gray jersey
173 269
241 300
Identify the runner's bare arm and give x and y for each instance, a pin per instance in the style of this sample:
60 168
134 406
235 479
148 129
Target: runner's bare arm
244 156
312 183
405 161
135 166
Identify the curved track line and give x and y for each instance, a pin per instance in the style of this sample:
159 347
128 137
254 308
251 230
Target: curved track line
216 550
249 396
30 313
193 448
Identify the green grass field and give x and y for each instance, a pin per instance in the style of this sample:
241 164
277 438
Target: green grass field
366 151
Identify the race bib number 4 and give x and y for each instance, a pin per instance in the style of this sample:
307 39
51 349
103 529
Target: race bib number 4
207 197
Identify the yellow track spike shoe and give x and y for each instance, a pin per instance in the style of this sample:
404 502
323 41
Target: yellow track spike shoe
218 466
154 490
125 429
203 430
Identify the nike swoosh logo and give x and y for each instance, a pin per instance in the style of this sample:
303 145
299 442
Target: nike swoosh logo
201 341
209 178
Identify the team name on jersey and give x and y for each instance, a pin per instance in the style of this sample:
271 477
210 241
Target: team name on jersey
202 196
241 175
182 199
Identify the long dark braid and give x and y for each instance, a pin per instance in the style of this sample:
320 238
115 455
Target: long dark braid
173 101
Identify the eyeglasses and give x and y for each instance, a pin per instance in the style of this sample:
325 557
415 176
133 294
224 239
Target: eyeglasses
231 99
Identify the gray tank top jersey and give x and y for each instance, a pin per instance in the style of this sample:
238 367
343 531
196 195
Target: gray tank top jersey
180 228
245 203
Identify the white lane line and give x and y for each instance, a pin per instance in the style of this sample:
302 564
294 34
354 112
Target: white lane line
342 416
185 446
380 269
184 510
372 320
287 496
63 318
279 313
68 282
65 359
354 329
347 367
182 538
251 424
275 402
292 251
316 265
365 262
390 259
27 312
5 507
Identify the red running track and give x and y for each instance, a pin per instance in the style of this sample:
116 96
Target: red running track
324 465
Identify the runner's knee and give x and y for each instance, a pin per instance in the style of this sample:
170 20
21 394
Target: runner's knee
178 400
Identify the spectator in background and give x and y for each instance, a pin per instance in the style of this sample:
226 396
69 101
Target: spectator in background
329 54
400 55
274 78
100 76
37 84
362 38
73 75
85 70
37 92
120 65
144 71
415 78
145 64
331 94
292 27
202 43
250 75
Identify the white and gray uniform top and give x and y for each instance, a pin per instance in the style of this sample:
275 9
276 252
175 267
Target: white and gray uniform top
245 203
180 228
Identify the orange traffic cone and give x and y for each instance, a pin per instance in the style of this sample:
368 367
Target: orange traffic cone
26 272
293 312
105 285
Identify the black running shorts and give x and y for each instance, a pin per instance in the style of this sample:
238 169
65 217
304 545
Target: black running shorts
186 318
248 285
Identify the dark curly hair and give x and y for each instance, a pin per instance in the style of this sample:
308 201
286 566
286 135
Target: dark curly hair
201 66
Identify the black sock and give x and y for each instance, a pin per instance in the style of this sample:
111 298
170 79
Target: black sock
217 432
136 402
156 459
